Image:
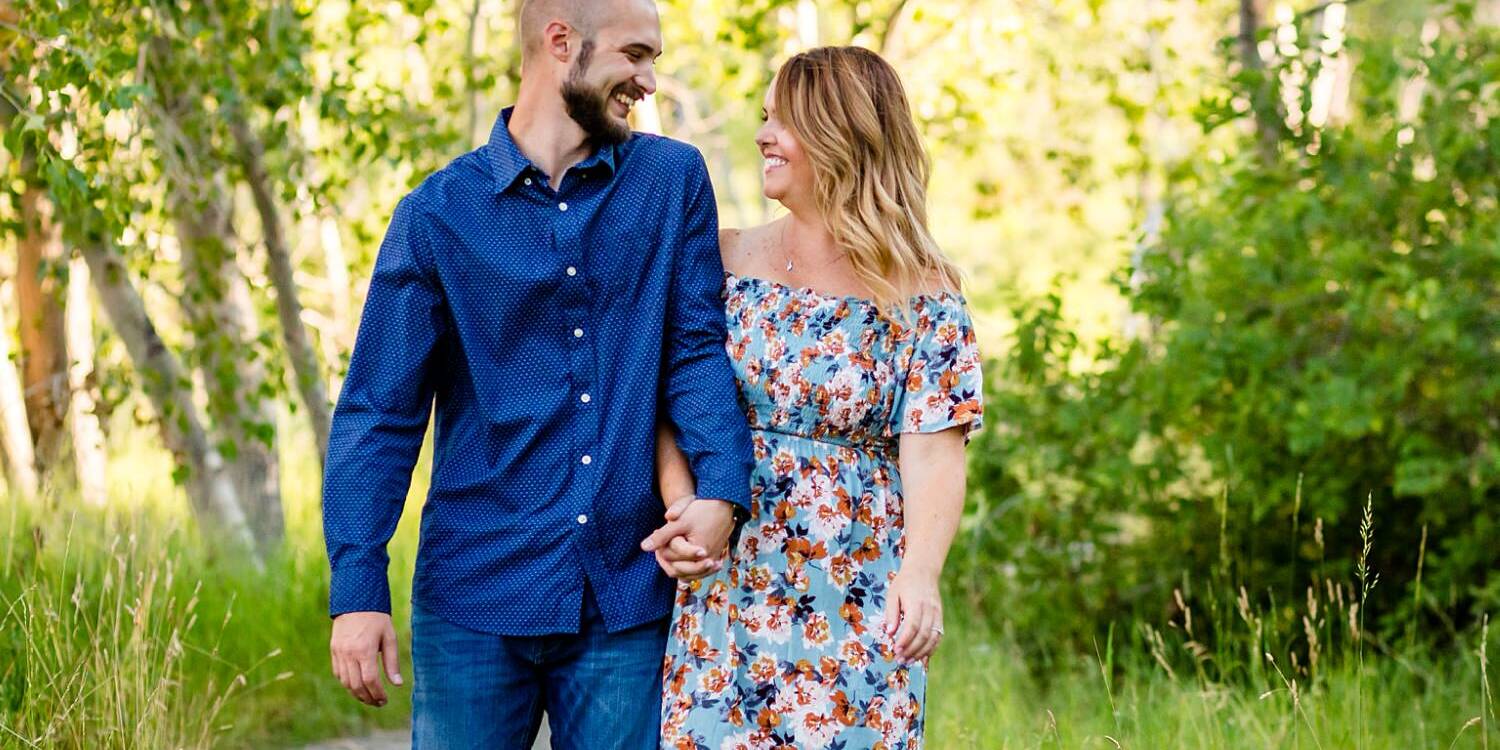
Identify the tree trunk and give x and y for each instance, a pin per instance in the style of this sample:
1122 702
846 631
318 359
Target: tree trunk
83 417
223 321
217 299
1263 103
471 89
341 301
211 494
886 46
16 448
44 361
305 366
807 24
15 433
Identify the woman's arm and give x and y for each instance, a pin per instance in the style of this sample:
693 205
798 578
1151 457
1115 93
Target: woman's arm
933 481
673 474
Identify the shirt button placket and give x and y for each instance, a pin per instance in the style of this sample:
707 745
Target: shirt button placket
576 308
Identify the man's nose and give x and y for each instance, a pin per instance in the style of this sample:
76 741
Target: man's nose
647 82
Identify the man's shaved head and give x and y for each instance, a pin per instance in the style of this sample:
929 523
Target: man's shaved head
600 54
582 15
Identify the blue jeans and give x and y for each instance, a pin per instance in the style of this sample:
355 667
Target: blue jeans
600 690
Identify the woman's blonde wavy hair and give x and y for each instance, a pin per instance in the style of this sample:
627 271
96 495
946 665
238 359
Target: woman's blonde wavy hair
848 110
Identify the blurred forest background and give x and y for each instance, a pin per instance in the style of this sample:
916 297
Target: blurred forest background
1235 263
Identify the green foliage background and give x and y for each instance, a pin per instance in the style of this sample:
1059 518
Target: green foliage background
1205 357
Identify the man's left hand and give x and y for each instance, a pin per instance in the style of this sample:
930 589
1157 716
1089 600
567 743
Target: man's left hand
694 541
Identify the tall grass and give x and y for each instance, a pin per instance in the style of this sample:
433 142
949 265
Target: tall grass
982 699
118 630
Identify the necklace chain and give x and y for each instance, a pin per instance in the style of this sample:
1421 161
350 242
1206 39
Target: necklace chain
786 251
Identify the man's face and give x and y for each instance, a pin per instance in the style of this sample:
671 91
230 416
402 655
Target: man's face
614 70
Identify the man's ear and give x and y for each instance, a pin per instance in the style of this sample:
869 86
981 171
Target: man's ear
557 41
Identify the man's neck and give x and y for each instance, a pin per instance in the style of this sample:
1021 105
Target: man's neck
545 134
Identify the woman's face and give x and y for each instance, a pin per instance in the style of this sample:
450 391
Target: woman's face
787 173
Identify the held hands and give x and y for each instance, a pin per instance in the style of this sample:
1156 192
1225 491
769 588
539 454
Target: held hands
694 541
914 614
358 639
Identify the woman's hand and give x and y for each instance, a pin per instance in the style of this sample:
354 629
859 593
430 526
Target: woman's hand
914 614
680 558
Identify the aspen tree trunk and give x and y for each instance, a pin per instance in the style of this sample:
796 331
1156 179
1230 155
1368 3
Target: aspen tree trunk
217 300
211 494
83 418
305 366
15 433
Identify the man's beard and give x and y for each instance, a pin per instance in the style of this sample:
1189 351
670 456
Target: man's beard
589 106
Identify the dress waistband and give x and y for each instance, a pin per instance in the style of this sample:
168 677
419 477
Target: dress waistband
874 446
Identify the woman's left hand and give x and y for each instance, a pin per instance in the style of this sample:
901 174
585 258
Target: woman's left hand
914 614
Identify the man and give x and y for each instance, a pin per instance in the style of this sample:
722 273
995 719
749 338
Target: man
548 289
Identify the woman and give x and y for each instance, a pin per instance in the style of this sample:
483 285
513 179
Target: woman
858 372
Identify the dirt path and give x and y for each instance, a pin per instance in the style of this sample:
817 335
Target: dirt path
400 739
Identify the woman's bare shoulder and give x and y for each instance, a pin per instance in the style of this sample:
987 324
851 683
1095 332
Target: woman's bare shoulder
737 248
937 283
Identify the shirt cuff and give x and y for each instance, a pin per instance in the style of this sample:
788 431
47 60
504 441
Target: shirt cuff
359 588
734 490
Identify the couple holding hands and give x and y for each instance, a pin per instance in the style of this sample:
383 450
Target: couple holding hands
690 488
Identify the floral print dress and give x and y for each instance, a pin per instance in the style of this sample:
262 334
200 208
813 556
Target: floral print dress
783 647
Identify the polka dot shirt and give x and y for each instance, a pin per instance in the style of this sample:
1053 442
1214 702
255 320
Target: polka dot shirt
547 331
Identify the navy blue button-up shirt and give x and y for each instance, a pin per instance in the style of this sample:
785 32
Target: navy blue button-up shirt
547 326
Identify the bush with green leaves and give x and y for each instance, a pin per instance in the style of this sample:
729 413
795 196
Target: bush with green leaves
1324 329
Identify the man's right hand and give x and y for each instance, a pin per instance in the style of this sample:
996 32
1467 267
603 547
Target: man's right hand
360 640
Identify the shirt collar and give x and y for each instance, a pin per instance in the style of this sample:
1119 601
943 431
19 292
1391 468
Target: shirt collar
507 162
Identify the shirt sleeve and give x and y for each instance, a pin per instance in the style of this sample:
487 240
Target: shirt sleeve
699 385
944 382
381 415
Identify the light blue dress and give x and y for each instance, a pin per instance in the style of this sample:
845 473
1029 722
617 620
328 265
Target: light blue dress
783 647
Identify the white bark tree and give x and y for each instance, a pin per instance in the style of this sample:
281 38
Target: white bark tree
83 419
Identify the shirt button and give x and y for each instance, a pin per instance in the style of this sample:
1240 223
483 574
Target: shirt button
572 271
577 333
562 206
583 518
584 398
587 460
528 180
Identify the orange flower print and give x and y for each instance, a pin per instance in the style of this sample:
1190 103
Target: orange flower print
715 680
843 710
948 380
829 668
854 653
967 411
841 570
815 631
718 596
763 669
801 549
784 463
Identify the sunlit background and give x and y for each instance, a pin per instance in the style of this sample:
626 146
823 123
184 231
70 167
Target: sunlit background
1235 266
